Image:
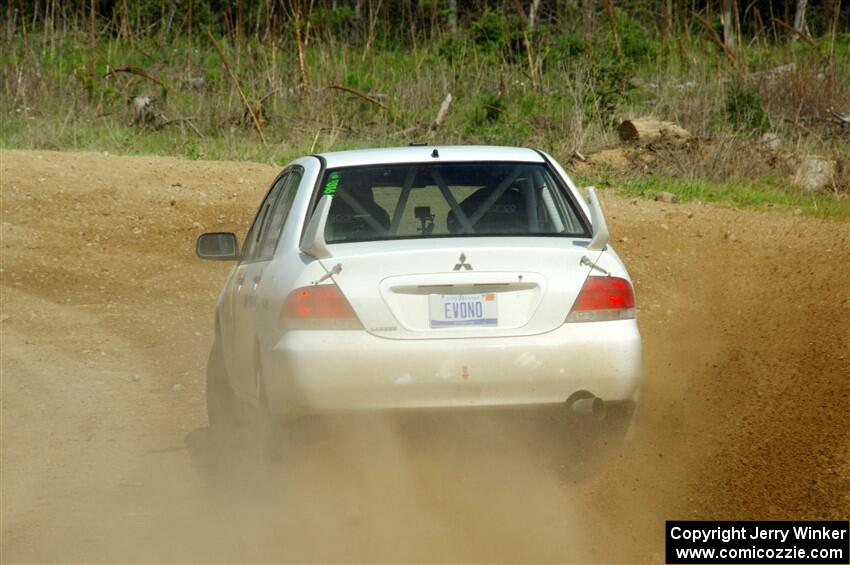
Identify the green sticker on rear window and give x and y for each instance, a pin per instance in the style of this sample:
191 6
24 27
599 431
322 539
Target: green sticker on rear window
333 182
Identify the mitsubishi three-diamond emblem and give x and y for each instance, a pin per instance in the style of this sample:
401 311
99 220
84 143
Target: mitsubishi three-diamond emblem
463 264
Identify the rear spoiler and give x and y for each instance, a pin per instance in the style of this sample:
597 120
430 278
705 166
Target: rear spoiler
597 218
313 243
599 228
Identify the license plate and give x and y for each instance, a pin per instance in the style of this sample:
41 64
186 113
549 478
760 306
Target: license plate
447 310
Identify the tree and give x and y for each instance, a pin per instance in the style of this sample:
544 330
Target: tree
727 18
800 18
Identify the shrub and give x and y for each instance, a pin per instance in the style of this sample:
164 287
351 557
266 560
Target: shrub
452 48
807 95
499 32
492 107
611 89
744 109
334 22
568 46
489 29
636 42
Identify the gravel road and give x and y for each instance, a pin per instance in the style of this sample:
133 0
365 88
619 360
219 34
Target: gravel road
106 322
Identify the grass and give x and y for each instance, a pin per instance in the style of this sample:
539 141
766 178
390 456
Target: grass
43 133
768 192
743 194
50 100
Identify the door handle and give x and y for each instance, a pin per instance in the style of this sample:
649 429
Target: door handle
257 279
240 278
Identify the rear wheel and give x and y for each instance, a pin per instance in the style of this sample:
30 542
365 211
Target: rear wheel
590 442
619 422
223 409
271 431
608 432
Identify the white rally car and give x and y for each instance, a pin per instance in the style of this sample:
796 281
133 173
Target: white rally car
423 277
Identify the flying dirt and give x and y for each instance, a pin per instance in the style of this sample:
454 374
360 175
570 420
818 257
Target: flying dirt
106 455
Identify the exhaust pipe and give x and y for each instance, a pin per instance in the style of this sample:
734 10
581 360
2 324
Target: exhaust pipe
586 405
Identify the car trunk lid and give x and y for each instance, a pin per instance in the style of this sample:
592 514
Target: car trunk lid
460 287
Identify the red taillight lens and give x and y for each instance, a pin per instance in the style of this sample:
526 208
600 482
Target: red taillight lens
603 298
318 307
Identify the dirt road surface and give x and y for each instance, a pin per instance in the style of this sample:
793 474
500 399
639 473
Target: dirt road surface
106 324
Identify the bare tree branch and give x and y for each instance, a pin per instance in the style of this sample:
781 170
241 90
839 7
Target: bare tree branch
736 64
138 72
795 31
362 95
245 101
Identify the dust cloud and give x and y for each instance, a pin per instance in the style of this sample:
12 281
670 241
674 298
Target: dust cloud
106 455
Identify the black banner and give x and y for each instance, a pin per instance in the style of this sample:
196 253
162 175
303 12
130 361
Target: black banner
699 541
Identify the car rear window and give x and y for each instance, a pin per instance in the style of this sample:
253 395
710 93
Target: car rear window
448 200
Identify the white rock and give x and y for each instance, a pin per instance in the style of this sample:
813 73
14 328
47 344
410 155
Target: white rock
771 140
815 173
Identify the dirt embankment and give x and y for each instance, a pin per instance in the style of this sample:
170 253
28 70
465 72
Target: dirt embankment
106 319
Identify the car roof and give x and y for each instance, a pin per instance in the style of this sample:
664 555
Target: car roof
425 154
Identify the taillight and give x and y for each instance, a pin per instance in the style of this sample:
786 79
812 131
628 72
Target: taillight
318 307
602 299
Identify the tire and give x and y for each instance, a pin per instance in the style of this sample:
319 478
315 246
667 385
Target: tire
610 433
223 408
274 434
589 443
619 421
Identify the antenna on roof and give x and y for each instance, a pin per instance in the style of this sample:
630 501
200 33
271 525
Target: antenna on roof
435 154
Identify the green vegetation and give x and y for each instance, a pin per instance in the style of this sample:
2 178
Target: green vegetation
744 110
755 195
325 75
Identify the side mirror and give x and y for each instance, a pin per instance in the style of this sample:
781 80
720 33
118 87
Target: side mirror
217 246
600 228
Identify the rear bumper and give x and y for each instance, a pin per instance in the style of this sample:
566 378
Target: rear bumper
309 371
